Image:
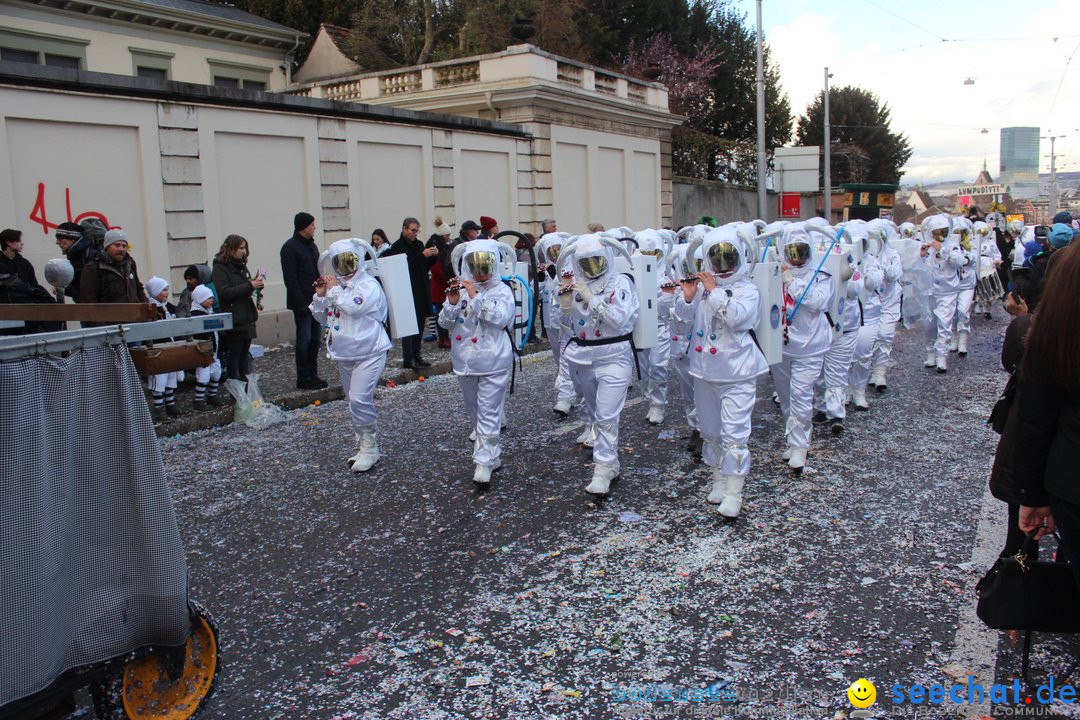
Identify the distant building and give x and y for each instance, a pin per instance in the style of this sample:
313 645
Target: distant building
182 40
1019 155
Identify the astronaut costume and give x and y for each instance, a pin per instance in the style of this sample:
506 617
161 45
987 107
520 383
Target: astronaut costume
654 360
871 276
549 247
969 276
989 258
353 311
481 349
681 336
725 362
890 293
943 264
598 319
809 335
831 386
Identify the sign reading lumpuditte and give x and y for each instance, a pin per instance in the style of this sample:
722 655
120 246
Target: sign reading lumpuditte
994 189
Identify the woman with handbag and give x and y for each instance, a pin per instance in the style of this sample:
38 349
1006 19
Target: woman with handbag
1048 418
235 288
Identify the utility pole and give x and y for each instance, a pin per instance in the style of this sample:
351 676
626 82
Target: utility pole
760 120
828 169
1053 174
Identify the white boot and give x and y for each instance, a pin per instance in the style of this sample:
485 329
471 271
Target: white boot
954 343
858 399
562 408
941 367
732 503
877 377
787 453
962 344
367 455
719 487
656 415
588 436
797 459
930 358
601 479
472 436
359 450
482 474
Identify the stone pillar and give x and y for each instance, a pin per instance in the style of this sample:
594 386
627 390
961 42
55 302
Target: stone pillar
181 177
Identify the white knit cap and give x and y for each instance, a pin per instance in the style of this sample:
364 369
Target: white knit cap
155 285
201 294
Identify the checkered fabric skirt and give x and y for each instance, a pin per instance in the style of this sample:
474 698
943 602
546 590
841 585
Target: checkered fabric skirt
91 563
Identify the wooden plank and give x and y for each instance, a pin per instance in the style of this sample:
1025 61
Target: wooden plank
86 312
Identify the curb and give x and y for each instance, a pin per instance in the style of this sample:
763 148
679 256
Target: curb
219 417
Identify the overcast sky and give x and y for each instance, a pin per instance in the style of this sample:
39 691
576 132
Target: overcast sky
916 56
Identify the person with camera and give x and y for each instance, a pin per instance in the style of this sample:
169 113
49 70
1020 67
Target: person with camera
236 287
352 306
478 313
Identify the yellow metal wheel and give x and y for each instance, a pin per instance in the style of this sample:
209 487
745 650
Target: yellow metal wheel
148 691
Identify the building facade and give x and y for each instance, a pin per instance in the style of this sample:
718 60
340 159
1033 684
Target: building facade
1019 155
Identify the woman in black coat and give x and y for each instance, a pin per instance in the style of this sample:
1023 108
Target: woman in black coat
1048 421
235 287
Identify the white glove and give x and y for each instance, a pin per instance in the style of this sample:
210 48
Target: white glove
566 301
583 290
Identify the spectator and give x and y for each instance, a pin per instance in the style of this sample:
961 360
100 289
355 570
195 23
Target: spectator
300 270
113 277
162 386
420 261
489 226
235 288
548 225
194 276
206 378
18 282
1048 439
440 239
379 241
595 227
69 238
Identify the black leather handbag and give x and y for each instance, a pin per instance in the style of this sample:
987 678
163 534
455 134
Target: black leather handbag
1022 593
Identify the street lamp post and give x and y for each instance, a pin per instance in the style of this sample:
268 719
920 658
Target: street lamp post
828 169
760 120
1053 174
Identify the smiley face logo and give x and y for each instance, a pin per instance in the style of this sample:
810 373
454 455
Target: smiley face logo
862 693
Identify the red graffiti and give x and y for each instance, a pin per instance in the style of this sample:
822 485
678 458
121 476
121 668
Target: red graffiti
39 216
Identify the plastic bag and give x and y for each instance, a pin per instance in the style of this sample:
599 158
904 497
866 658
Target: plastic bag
251 409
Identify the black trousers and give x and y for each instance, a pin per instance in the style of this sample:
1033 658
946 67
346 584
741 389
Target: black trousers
410 348
236 347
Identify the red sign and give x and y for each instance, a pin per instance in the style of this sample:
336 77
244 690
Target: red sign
790 205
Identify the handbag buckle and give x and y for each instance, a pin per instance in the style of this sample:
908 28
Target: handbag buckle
1021 560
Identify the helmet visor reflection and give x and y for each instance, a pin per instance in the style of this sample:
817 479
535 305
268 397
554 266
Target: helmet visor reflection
723 258
553 252
481 264
797 253
345 263
593 267
939 234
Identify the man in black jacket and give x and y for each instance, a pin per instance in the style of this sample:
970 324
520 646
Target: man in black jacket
420 261
300 269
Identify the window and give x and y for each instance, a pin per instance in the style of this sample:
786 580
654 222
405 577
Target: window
42 49
152 73
152 64
23 56
239 77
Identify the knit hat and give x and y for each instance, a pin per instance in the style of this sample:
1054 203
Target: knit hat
1064 217
470 225
114 236
69 231
487 223
442 228
1060 235
201 294
302 220
155 285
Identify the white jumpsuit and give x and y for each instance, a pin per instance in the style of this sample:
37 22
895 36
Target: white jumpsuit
830 389
482 356
871 277
601 372
890 294
809 336
549 286
353 315
944 269
681 346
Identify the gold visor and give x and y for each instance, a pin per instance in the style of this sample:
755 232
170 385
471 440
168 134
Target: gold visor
724 258
345 263
481 264
797 253
593 267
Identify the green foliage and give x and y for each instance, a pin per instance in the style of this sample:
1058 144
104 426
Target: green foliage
859 129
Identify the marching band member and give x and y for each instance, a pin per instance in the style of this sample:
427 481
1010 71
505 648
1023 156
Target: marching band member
478 312
549 247
807 294
989 259
599 309
831 386
654 360
944 258
351 304
969 276
723 305
868 299
890 294
682 332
